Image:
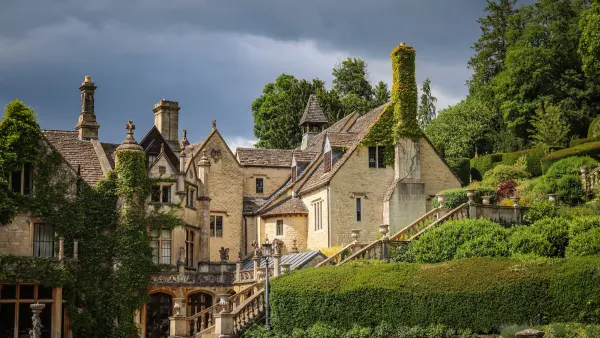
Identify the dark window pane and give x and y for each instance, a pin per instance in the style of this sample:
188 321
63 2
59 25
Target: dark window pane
381 157
8 291
44 292
166 196
279 230
358 210
219 228
7 320
28 184
43 240
155 193
26 291
259 185
166 252
16 181
372 155
25 322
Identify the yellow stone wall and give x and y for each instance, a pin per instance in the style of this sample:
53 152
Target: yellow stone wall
317 239
16 237
434 173
294 227
273 179
355 177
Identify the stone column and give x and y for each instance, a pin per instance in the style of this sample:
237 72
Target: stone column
75 250
57 312
61 248
584 179
356 246
472 206
385 240
203 208
276 262
256 261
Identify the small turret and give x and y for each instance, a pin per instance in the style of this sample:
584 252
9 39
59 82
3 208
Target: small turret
313 120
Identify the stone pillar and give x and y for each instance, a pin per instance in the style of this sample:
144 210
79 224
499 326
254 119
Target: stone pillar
179 326
57 307
356 246
529 333
204 206
385 240
238 269
472 207
223 325
276 264
256 261
584 179
61 248
75 250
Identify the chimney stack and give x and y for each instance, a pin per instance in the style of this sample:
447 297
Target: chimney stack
87 125
166 119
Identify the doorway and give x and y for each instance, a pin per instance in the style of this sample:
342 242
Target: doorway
158 311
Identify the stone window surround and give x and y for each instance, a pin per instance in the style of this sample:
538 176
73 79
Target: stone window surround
260 187
376 153
161 242
32 225
190 243
279 226
317 206
216 215
188 187
23 179
161 185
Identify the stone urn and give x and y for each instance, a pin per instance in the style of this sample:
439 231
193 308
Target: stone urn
552 198
441 198
384 229
285 268
470 194
223 301
583 170
355 234
515 200
486 200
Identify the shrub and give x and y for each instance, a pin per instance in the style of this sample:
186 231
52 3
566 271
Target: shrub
480 294
359 332
588 149
539 210
461 167
585 244
511 330
480 165
533 156
506 189
323 330
579 141
569 190
456 197
547 237
502 173
594 128
583 224
568 166
460 239
591 208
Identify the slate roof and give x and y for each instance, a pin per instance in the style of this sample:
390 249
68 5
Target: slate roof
252 204
313 112
350 138
304 156
288 206
295 260
77 153
264 157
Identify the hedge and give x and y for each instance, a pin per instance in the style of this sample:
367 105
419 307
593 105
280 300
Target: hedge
579 141
480 165
480 294
594 128
587 149
533 156
461 167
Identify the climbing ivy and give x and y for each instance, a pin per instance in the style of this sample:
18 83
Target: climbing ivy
108 282
381 134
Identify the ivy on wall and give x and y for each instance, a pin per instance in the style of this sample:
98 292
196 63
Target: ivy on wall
108 283
399 119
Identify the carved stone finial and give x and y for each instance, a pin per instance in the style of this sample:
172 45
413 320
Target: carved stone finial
214 124
224 252
204 161
294 247
130 127
162 147
129 143
402 43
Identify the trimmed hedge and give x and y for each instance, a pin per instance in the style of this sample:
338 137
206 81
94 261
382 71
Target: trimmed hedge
594 128
587 149
480 165
480 294
579 141
533 156
461 167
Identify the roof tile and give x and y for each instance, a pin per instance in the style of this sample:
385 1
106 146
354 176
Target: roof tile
313 112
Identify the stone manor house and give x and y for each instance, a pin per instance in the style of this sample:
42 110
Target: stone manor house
308 198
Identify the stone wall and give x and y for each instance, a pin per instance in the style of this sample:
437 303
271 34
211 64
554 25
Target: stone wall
294 228
317 239
16 237
356 180
273 179
434 172
406 204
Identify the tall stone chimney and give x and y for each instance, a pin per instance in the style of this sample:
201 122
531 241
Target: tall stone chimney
87 125
166 119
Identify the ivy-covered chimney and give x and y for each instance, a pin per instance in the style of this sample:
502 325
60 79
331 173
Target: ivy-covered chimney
404 92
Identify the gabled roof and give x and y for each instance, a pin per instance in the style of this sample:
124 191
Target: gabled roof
259 157
152 144
79 154
304 156
288 206
313 113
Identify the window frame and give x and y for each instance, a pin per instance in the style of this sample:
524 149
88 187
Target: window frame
358 209
214 227
279 227
190 196
23 180
262 185
36 240
190 241
159 250
318 212
162 196
376 157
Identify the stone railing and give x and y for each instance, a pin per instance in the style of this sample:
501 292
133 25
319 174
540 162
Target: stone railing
458 213
419 224
339 256
590 180
245 314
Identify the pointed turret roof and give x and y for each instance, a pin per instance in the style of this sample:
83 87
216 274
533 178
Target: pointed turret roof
313 112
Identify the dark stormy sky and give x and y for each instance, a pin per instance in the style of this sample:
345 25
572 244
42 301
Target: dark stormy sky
214 57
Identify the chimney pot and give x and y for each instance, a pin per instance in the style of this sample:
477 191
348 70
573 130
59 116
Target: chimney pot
88 79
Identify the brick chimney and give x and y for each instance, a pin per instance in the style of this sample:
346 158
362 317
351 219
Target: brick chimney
87 125
166 119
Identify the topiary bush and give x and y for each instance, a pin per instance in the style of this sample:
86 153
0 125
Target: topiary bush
533 156
568 166
594 128
569 190
547 237
591 149
461 167
502 173
482 164
579 141
584 243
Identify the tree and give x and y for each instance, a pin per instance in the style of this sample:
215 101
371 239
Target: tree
490 49
278 110
382 94
589 44
350 77
549 127
427 106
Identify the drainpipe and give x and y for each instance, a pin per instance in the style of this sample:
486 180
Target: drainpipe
328 216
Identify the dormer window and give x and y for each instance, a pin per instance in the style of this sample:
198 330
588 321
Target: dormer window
327 160
294 169
21 181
